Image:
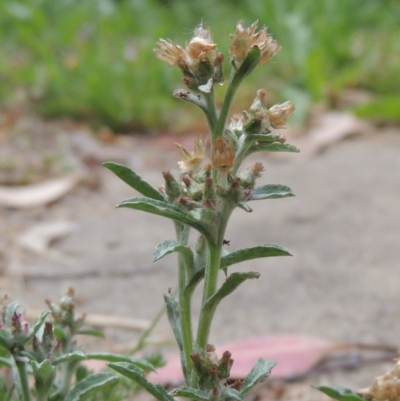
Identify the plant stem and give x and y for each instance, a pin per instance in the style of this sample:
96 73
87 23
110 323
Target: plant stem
211 112
23 379
182 234
244 145
211 275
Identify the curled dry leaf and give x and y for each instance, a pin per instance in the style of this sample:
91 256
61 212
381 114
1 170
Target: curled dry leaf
31 196
38 238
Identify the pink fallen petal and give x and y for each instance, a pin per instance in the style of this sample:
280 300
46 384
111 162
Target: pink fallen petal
294 355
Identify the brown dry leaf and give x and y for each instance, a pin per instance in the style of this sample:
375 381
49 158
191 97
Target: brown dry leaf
31 196
39 237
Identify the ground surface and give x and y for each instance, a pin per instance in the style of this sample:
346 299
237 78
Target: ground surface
343 228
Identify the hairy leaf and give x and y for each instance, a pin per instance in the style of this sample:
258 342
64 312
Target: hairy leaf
133 180
230 284
165 209
230 394
72 356
340 393
274 147
105 356
91 332
270 192
39 322
262 251
249 63
175 322
44 374
89 384
136 374
169 246
193 393
261 370
10 309
6 339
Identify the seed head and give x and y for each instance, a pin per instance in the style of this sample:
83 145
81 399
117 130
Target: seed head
245 39
279 114
223 154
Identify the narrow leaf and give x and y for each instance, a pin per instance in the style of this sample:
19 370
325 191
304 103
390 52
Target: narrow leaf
175 322
340 393
271 192
261 370
89 384
72 356
44 374
244 206
274 147
91 332
104 356
6 339
230 394
136 374
193 393
133 180
169 246
39 322
165 209
10 309
230 284
262 251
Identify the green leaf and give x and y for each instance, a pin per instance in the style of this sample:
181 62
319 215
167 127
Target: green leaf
274 147
193 393
230 284
340 393
136 374
133 180
44 374
271 192
72 356
9 312
175 322
261 370
244 206
6 339
89 385
39 322
5 362
230 394
165 209
91 332
169 246
203 215
262 251
105 356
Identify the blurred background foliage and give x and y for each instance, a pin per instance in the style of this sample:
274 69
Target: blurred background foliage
93 59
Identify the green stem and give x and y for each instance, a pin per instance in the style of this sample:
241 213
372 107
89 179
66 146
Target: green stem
226 106
211 112
244 145
23 380
182 234
210 286
211 275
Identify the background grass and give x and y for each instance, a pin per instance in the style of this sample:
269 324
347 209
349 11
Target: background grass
93 59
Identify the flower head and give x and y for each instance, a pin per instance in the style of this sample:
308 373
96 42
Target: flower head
199 61
245 39
279 114
191 161
169 52
223 154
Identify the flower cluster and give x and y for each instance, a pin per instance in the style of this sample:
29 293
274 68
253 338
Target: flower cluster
245 39
199 62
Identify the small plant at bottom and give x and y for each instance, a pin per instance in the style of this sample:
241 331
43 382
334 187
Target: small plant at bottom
47 350
204 195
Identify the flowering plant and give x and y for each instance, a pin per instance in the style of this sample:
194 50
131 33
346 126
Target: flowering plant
203 197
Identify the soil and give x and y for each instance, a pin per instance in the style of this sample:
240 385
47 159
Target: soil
343 228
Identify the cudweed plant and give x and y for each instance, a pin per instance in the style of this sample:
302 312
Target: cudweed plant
204 195
47 351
